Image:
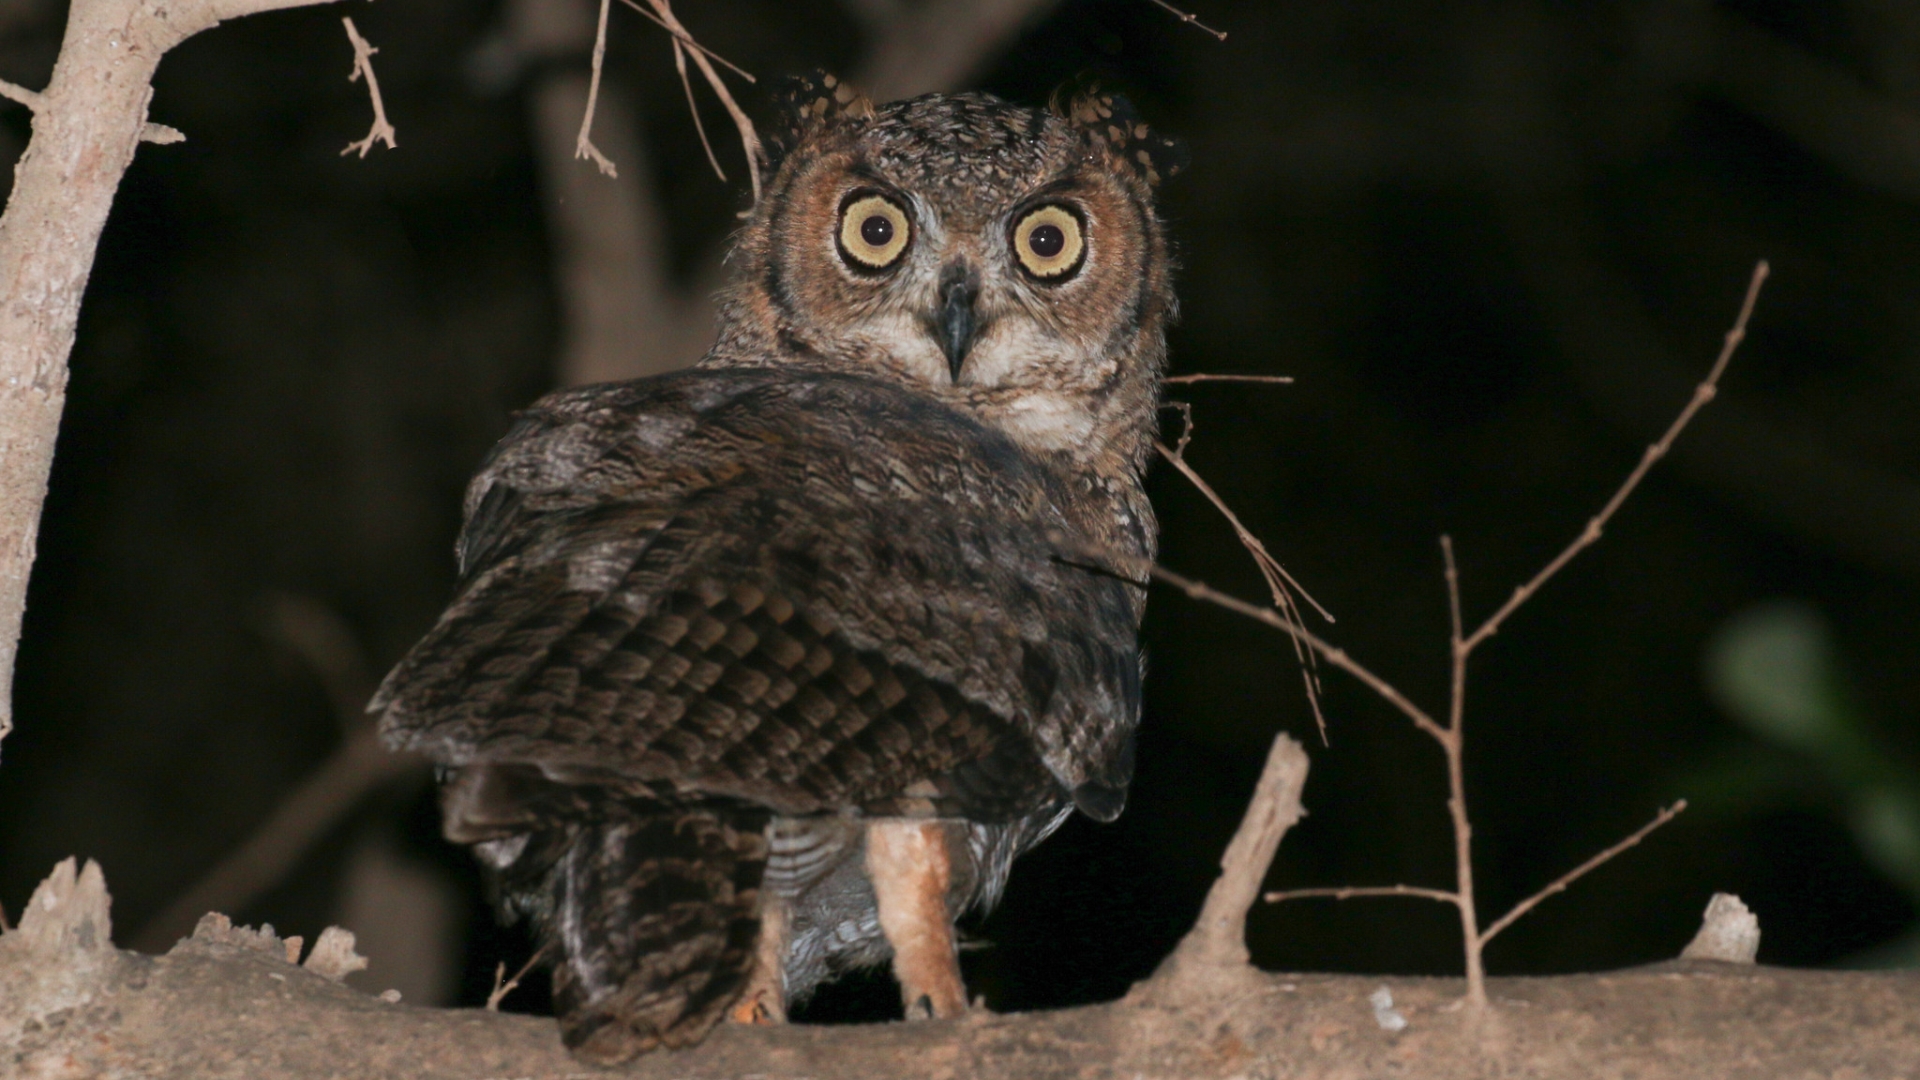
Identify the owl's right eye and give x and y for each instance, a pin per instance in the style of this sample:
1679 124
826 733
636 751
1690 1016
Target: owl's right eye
874 232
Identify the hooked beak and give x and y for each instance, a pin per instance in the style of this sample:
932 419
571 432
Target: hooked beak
954 321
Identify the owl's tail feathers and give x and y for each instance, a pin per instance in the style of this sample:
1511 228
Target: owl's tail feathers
654 918
648 909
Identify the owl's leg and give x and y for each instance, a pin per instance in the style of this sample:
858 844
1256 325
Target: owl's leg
910 867
764 1001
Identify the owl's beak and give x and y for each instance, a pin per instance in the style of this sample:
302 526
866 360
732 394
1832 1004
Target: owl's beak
955 320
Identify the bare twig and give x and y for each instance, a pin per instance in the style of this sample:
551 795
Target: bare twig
151 132
1338 657
1178 379
1280 583
502 989
20 94
583 142
1278 580
685 39
1581 871
363 68
1347 892
749 139
693 108
1189 19
1702 394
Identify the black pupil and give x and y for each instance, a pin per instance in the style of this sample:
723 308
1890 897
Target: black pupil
1047 241
877 231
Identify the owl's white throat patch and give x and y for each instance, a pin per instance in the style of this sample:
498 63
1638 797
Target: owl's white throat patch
1042 420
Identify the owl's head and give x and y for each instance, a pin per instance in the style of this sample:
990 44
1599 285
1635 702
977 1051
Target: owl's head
1003 258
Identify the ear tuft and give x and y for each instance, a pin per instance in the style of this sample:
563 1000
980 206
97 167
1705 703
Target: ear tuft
1109 121
810 101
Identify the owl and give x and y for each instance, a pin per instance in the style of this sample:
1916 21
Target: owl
766 670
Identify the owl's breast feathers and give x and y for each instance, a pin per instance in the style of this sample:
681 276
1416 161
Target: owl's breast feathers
806 593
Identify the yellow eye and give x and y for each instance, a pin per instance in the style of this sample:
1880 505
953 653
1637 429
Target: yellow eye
1049 243
873 232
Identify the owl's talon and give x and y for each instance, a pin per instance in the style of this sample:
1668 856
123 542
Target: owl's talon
753 1009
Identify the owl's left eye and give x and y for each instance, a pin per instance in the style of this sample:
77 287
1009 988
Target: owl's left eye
1050 243
874 232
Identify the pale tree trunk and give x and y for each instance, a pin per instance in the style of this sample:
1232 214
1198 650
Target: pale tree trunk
86 126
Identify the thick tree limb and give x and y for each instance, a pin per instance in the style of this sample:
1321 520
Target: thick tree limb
86 125
229 1003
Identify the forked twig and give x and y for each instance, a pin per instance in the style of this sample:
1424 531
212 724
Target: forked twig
502 989
1452 736
583 143
382 131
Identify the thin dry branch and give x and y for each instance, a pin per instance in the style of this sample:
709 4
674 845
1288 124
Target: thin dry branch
1332 654
1581 871
749 139
583 142
1280 583
382 131
693 107
502 988
1172 380
1454 748
1190 19
685 39
1702 394
1347 892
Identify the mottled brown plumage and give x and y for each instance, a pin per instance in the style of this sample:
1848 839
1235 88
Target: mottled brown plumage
715 629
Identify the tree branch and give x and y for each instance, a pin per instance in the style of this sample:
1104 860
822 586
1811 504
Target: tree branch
230 1003
363 68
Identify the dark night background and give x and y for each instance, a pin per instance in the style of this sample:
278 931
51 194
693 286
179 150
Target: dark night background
1494 243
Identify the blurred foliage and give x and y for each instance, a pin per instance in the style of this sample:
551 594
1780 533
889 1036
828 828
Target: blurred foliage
1774 668
1494 243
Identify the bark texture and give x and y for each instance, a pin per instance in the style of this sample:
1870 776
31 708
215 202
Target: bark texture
228 1002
